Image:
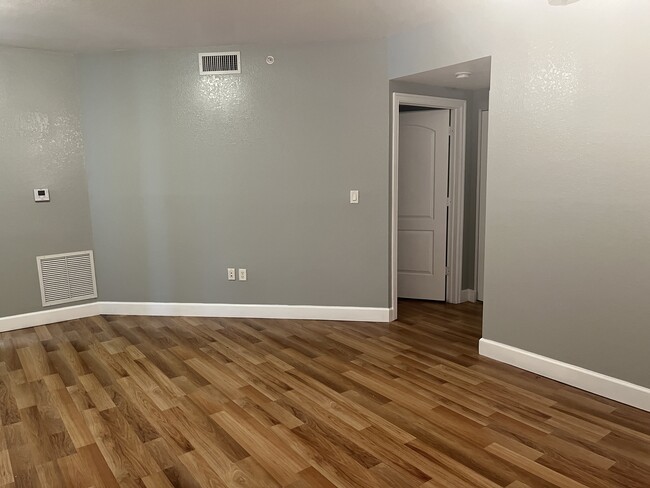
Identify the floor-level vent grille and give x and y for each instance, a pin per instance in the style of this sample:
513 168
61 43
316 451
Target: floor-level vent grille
67 278
219 63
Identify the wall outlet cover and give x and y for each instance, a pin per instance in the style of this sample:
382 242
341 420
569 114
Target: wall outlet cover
243 276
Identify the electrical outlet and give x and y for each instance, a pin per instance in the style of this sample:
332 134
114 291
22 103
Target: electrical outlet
242 274
231 274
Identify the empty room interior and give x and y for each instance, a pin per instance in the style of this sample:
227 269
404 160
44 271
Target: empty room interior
306 243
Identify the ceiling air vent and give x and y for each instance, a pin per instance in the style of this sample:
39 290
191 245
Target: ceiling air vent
219 63
67 277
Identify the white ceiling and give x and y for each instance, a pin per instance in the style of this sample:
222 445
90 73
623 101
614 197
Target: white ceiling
446 77
96 25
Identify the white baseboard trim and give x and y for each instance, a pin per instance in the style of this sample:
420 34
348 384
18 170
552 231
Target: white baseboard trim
600 384
392 314
304 312
467 296
52 316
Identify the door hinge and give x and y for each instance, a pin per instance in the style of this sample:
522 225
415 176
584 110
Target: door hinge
451 131
448 202
446 270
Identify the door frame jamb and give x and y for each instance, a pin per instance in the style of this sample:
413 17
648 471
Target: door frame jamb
456 195
481 170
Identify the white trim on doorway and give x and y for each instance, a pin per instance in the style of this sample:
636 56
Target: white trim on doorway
458 110
481 174
468 296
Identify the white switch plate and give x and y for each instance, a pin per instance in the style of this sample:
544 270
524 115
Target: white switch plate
41 195
231 274
242 274
354 196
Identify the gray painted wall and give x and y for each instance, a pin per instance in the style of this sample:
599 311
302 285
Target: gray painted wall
40 146
567 261
189 175
476 100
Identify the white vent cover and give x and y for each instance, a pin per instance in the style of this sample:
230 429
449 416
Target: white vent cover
67 277
220 63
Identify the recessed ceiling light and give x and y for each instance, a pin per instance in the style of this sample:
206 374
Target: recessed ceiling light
561 2
463 74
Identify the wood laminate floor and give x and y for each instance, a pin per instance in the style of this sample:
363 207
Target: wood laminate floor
194 402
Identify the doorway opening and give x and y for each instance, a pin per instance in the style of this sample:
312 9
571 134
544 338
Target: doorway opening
430 227
436 194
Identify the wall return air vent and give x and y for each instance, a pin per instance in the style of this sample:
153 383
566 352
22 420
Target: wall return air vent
67 277
220 63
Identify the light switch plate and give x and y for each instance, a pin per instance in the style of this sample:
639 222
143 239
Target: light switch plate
41 195
354 196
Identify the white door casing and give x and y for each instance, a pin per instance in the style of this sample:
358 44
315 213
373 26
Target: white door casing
458 109
482 178
422 218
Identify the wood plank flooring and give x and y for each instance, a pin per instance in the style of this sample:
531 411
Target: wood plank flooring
192 402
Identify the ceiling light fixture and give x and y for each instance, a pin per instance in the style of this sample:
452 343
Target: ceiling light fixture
560 3
461 75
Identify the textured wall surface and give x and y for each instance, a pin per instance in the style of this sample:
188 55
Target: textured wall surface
190 174
567 229
40 146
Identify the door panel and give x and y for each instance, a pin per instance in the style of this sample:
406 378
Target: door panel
414 252
416 177
422 218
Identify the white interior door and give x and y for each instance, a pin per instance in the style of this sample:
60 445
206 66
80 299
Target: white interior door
422 206
482 175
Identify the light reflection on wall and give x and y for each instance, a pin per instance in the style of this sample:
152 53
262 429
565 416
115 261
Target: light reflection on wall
67 139
223 93
33 128
554 79
60 139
